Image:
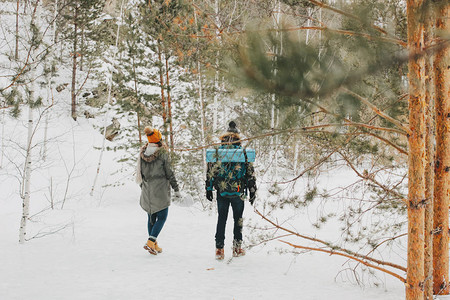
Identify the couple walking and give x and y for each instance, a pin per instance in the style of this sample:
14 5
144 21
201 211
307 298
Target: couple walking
231 180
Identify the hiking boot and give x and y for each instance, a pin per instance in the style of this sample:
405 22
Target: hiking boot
220 254
151 247
157 248
238 251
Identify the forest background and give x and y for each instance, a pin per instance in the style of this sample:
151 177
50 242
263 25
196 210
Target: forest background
356 88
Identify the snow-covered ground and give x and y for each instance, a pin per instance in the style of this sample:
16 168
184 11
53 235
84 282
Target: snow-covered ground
91 247
94 249
100 256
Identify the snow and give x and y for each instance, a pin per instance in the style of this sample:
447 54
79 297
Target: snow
91 247
97 251
101 257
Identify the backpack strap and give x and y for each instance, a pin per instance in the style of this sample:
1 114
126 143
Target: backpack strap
244 179
245 155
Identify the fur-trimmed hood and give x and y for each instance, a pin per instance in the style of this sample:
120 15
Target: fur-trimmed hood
153 156
230 137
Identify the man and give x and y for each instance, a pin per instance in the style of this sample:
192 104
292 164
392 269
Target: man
232 181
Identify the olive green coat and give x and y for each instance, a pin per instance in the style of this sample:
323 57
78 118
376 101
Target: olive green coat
157 177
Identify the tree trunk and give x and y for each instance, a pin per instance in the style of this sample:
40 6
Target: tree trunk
216 75
137 102
55 16
202 106
430 156
81 47
202 117
216 96
169 103
442 168
275 112
27 178
416 156
161 83
16 56
74 62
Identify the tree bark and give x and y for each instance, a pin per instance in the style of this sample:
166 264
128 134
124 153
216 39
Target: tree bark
74 62
216 75
202 104
416 157
55 16
137 102
82 47
430 156
16 56
442 168
27 177
161 82
169 103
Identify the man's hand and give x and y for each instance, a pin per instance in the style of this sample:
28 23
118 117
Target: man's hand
252 197
209 195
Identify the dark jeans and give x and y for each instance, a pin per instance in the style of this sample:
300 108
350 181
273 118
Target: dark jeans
223 205
156 222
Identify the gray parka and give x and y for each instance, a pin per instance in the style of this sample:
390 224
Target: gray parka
157 177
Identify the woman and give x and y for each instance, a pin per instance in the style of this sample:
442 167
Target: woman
155 177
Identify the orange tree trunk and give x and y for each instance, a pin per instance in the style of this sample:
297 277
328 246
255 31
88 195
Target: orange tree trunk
416 156
442 167
430 156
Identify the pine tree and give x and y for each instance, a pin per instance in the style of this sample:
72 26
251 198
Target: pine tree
75 15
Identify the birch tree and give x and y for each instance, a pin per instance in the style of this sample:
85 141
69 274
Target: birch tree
32 101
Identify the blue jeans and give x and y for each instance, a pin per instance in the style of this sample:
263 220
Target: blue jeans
156 222
223 205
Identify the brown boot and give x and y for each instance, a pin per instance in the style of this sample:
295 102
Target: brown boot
220 254
238 252
157 248
237 249
151 247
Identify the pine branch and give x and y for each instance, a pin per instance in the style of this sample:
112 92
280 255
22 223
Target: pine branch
318 163
341 12
350 123
329 245
289 29
348 256
402 151
377 110
371 179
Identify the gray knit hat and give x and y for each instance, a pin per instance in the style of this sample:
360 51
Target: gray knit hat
232 127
